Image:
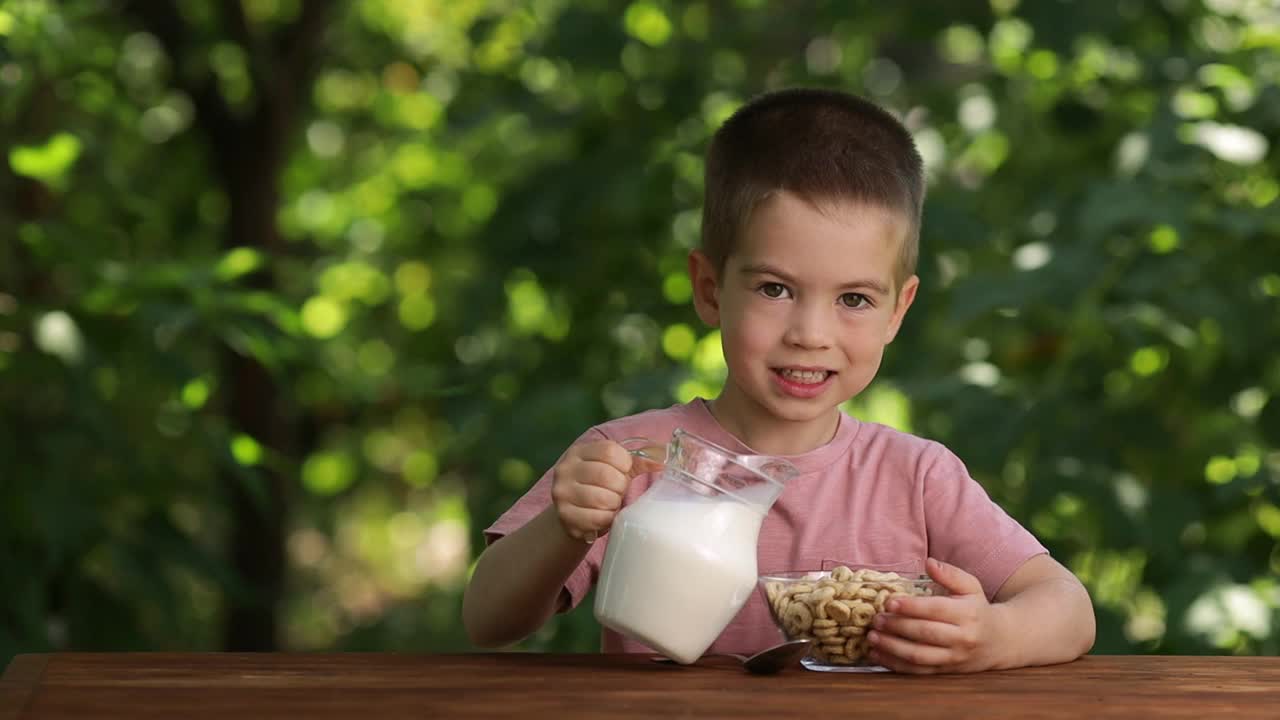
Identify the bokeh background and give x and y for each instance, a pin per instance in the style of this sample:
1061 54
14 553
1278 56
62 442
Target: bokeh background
297 296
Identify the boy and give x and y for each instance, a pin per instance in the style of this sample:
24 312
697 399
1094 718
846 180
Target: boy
809 242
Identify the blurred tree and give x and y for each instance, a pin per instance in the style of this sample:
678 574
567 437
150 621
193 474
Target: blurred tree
296 298
249 143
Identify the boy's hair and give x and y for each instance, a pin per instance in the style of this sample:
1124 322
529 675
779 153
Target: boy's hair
822 145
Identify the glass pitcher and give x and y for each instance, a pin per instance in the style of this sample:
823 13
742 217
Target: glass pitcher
681 559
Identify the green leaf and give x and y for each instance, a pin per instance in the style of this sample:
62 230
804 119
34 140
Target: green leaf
50 162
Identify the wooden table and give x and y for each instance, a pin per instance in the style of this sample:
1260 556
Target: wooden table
244 686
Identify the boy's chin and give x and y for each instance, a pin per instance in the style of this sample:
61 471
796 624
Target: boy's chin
779 407
795 410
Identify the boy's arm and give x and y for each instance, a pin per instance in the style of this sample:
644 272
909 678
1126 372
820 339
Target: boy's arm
1048 614
517 581
1041 615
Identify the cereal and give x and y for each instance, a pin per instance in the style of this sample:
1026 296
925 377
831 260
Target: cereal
861 613
836 610
773 590
798 618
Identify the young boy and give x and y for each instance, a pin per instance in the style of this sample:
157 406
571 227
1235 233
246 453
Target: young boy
807 265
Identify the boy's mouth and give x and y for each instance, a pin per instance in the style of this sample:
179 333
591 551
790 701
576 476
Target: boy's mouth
804 376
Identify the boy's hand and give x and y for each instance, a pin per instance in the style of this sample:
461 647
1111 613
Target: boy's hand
588 487
961 632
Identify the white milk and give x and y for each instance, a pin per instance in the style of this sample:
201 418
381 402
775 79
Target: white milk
677 571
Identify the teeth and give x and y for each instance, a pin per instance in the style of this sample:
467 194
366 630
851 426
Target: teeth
805 376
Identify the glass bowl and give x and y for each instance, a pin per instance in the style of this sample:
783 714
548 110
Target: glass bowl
835 609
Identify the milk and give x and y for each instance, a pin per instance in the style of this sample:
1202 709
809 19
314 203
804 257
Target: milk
677 571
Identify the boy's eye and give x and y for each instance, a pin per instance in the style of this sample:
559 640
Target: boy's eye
773 290
854 300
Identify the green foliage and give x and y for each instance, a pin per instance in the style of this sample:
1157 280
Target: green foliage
482 219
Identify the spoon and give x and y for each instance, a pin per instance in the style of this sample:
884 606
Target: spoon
767 661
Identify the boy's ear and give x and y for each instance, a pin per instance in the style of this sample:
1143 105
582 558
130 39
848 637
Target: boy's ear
706 288
906 296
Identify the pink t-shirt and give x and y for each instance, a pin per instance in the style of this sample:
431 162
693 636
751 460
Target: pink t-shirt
872 495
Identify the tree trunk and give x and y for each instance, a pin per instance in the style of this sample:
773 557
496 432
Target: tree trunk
250 175
249 153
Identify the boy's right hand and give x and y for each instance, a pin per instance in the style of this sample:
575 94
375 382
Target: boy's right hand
588 486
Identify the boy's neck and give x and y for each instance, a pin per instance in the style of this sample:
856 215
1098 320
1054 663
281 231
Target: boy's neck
767 434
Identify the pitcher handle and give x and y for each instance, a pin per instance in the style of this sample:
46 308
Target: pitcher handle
644 447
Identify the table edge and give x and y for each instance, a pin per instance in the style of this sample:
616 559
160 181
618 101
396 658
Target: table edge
19 683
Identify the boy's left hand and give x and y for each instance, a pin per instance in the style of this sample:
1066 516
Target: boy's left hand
960 632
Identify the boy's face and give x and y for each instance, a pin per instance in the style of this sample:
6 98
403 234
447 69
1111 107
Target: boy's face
806 304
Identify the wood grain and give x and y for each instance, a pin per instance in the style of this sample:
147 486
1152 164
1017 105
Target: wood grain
19 683
194 685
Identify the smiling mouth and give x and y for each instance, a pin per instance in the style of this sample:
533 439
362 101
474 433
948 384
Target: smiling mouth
804 377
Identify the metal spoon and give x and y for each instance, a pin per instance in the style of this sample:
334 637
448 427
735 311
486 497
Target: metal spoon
767 661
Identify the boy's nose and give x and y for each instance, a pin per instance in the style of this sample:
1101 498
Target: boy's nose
809 328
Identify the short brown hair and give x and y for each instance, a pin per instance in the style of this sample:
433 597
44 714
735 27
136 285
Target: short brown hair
822 145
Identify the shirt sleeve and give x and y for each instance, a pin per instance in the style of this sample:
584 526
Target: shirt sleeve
532 503
966 528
